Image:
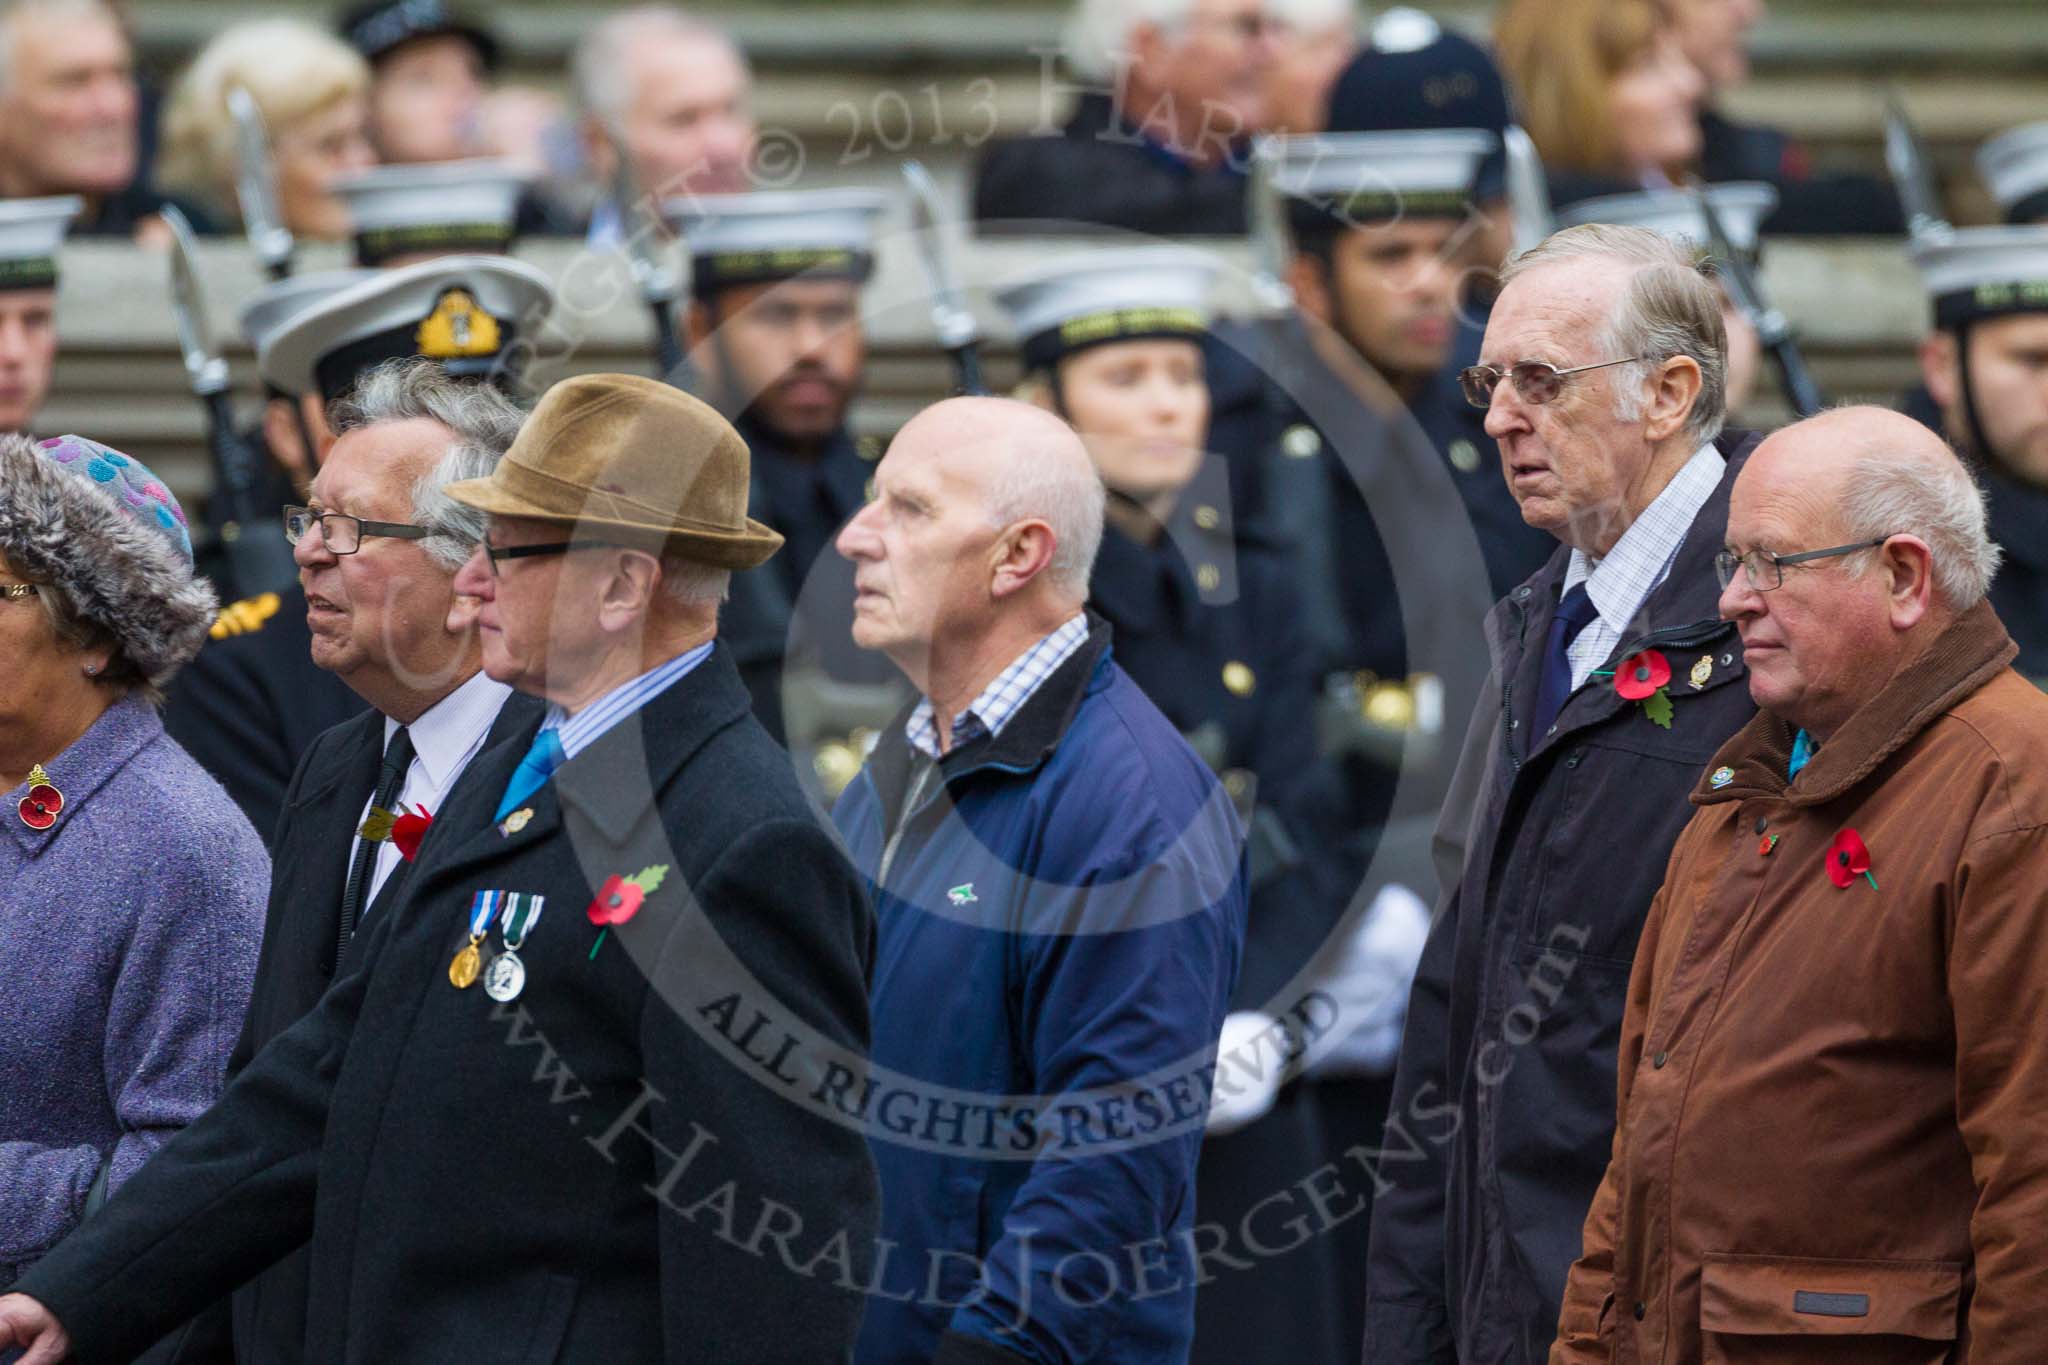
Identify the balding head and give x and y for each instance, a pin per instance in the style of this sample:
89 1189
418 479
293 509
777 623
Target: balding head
1909 522
984 526
1030 465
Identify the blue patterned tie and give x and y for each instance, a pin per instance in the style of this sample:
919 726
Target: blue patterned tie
533 771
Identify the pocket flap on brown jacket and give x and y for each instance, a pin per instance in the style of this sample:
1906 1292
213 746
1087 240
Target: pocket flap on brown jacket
1793 1294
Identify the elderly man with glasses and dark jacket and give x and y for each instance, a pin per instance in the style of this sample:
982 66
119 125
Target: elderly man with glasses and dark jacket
1613 681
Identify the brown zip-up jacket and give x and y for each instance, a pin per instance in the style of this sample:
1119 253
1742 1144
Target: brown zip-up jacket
1833 1102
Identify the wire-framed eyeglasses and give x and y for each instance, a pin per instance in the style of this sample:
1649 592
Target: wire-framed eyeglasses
1766 571
1535 381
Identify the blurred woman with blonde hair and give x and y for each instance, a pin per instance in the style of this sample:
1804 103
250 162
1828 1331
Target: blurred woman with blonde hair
312 90
1605 90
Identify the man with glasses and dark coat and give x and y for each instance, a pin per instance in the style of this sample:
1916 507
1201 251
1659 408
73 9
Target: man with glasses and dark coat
1985 368
253 701
1614 681
378 548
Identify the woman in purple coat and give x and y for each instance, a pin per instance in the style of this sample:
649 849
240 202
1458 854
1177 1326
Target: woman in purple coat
131 888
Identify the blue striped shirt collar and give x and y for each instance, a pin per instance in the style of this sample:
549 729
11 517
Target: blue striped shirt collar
580 731
1002 698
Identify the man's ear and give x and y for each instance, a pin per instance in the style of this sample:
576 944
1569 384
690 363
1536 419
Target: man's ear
1310 281
1021 553
1675 389
628 590
1908 567
1939 369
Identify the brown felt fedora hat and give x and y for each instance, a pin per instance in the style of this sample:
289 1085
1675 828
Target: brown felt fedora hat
620 456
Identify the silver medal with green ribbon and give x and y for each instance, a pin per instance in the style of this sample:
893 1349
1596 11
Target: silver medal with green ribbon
506 976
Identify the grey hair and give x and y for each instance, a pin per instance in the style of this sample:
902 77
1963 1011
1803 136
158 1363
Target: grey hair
1068 497
594 67
484 421
67 9
1671 307
1934 499
693 584
1098 33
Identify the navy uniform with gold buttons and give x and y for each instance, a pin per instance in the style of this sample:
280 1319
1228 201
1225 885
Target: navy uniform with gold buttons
253 700
1989 289
1210 626
789 621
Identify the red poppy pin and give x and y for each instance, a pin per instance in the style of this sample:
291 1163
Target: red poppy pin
406 828
620 898
1642 677
41 807
1848 859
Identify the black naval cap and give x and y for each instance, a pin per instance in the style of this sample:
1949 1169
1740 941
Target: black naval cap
378 28
1415 74
474 315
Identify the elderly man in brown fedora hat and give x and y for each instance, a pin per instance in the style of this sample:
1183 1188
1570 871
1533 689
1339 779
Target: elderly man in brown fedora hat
576 1102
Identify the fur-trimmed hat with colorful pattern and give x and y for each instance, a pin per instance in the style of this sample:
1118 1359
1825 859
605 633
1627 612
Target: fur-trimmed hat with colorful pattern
99 527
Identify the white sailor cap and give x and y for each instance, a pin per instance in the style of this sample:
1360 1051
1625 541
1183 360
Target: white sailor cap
31 233
2014 165
735 239
1741 205
1984 272
470 313
276 303
1113 294
440 208
1339 179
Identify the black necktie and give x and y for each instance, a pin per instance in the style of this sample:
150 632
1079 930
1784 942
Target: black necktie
397 758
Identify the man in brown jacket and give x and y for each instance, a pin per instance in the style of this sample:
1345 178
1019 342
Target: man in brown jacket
1832 1089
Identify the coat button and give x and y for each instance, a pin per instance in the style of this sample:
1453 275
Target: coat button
1642 1310
1762 824
1659 1060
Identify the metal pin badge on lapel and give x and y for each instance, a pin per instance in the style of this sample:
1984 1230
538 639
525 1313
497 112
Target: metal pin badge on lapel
516 821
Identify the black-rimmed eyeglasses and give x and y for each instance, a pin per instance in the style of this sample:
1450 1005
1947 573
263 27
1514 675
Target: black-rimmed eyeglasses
494 553
1766 571
1535 381
343 534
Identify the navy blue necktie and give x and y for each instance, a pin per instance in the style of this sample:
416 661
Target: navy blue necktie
1575 611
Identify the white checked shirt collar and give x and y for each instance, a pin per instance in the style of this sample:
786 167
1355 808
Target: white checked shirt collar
1000 700
1620 582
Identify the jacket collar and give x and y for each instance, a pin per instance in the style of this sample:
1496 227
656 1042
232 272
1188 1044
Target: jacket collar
1688 598
1972 651
87 765
612 784
359 741
1026 742
1135 584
